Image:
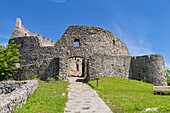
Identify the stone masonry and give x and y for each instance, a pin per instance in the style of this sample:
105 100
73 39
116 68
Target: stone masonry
14 94
100 53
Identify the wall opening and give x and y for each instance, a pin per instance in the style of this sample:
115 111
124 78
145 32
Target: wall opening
77 66
76 42
114 42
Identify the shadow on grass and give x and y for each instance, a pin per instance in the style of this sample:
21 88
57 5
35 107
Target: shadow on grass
90 85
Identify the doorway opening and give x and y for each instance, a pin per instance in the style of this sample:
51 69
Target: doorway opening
76 66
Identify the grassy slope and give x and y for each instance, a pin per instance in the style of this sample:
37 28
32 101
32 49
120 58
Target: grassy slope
125 95
47 98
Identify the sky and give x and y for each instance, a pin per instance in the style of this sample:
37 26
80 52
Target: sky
143 25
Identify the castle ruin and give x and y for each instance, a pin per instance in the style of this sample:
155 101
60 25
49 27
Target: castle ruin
84 51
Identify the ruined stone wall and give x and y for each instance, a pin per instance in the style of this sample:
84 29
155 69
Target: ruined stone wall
11 100
108 66
10 85
21 31
91 40
150 67
102 54
39 61
44 42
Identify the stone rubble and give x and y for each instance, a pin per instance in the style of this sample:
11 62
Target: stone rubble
17 98
150 109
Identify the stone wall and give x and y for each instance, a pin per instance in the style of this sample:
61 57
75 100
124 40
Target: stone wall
9 86
108 66
150 67
16 97
39 61
91 40
101 53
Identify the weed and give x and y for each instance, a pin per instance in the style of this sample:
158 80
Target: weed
48 79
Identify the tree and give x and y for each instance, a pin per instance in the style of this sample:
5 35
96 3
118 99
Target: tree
8 56
168 72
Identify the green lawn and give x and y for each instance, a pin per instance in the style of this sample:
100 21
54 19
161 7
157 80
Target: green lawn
130 96
47 98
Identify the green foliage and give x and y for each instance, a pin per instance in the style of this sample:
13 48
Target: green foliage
57 77
168 72
168 81
48 79
70 76
8 56
47 98
130 96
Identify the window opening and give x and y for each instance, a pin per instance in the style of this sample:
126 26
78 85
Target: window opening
113 42
77 42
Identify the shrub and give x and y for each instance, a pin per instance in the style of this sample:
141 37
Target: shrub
8 56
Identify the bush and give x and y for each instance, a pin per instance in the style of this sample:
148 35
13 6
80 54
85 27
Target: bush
8 56
168 81
168 72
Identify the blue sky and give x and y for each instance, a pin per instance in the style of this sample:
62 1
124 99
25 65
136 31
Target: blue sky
143 25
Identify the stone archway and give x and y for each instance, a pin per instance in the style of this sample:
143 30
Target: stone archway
76 66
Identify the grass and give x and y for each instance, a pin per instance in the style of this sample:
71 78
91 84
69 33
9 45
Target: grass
130 96
47 98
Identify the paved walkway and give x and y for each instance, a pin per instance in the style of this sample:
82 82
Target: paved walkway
83 99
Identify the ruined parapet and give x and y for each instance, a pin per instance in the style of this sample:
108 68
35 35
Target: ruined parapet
21 31
44 42
149 67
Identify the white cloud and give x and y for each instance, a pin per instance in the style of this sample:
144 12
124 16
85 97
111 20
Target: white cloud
137 46
167 64
4 36
5 44
59 1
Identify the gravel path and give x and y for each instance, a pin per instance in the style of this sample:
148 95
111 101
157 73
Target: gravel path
83 99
